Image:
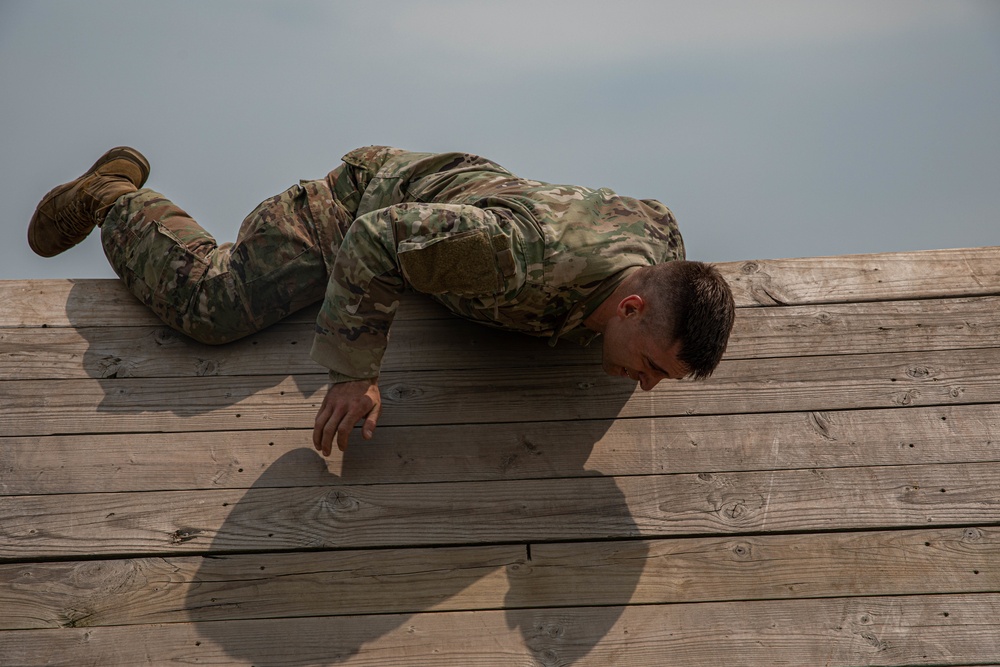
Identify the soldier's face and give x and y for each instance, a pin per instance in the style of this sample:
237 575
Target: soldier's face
631 350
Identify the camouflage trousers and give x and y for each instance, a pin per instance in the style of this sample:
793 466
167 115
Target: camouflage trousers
216 293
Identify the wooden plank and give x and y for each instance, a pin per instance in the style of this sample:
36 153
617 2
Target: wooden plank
532 450
839 279
874 277
49 407
852 328
241 587
137 352
422 344
421 534
81 303
587 508
102 302
885 631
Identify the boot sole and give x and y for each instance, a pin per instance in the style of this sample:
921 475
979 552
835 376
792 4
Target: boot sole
124 152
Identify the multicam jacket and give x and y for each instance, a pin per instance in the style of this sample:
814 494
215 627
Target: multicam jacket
490 246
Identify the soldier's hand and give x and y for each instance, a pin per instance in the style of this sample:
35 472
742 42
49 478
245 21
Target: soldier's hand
346 404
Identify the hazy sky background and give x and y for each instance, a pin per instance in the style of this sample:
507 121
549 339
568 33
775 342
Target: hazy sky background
771 128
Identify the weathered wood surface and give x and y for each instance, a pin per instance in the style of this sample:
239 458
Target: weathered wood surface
269 585
126 350
508 395
528 450
829 497
592 507
952 630
841 279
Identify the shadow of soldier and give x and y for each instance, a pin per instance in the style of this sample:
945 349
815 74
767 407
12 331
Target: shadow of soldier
339 566
143 365
310 567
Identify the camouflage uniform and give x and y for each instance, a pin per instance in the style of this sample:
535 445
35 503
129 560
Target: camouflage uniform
491 247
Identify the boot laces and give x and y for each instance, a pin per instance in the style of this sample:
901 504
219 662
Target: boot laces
75 218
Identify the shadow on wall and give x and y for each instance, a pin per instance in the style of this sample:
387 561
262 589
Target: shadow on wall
124 359
316 572
349 597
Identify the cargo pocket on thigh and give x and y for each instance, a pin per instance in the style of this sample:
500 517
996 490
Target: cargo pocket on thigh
460 263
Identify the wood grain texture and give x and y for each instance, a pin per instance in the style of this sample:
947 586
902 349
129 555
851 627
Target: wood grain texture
837 632
828 497
49 407
797 281
101 302
873 277
242 587
104 352
152 352
528 450
387 515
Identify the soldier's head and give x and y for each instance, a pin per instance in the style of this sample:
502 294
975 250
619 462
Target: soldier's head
671 320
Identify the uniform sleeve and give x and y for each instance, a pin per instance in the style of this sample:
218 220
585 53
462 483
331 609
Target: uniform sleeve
433 248
352 328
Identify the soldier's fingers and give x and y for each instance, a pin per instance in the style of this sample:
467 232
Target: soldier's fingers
359 409
368 430
355 413
330 429
344 429
323 416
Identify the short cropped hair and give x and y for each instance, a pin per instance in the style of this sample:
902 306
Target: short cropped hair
691 303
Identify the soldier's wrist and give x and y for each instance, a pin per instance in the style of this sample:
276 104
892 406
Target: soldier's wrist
340 378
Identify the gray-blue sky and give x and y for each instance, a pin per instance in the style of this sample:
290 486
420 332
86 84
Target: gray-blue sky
771 128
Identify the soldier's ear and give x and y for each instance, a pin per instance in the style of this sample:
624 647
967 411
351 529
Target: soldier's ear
633 304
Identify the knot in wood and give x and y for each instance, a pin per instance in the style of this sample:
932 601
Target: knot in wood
547 657
164 337
551 630
734 510
401 392
75 618
528 444
743 551
115 367
206 368
518 569
182 535
874 641
821 424
749 268
338 501
107 576
824 317
972 535
918 372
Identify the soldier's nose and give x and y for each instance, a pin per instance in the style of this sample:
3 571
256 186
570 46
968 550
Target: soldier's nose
647 383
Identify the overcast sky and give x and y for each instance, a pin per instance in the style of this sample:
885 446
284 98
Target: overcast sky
771 128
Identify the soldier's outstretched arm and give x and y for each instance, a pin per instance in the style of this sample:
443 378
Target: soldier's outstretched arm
352 328
346 404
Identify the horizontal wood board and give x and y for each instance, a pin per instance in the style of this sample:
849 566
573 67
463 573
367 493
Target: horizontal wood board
831 496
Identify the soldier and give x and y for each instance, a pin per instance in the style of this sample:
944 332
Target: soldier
559 261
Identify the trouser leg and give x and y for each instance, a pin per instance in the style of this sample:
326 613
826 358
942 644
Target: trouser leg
219 293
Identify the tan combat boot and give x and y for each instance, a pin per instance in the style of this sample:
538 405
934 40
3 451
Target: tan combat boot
68 213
